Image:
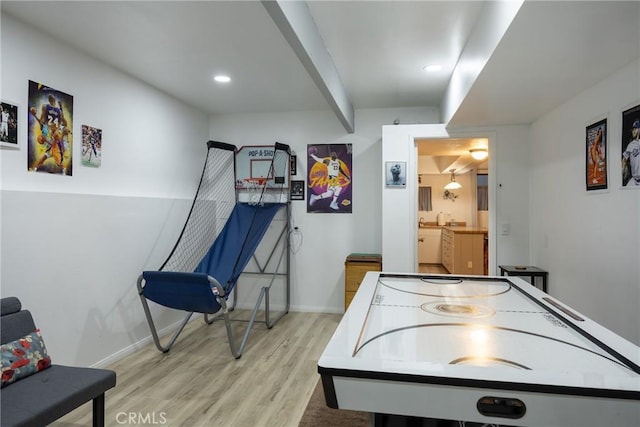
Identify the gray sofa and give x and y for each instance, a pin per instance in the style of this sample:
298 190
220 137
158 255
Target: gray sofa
45 396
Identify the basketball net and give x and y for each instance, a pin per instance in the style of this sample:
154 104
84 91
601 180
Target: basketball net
255 188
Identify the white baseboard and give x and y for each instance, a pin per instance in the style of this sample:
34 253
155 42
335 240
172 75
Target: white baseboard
130 349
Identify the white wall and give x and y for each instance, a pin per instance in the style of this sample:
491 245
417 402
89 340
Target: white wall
508 193
589 242
73 246
318 266
510 184
399 207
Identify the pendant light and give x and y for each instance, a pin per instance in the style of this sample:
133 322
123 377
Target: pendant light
453 185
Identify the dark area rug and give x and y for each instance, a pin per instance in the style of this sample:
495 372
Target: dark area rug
318 414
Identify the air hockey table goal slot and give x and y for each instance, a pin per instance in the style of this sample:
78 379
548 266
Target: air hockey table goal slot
501 407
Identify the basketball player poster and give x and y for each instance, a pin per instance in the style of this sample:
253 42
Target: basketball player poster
50 130
596 155
91 146
329 178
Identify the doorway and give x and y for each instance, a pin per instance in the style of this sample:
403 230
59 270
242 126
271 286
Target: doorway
452 173
400 207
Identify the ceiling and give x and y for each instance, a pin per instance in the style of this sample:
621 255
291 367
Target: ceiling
551 52
441 156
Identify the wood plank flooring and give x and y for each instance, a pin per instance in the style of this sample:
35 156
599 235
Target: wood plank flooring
432 269
199 383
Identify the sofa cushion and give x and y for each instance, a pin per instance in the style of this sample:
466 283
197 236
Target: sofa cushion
15 325
40 399
23 357
10 305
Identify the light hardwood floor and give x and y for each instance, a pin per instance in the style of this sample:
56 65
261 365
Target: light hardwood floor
432 269
199 383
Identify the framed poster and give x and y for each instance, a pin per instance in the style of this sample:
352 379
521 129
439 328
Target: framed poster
395 174
91 146
9 124
297 190
596 156
329 178
631 147
50 130
294 165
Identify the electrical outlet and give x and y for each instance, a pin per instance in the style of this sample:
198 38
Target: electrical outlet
469 264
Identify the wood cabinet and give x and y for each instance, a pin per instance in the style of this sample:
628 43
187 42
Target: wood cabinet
430 245
448 239
463 250
355 267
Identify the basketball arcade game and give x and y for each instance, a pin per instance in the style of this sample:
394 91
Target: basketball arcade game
263 176
482 349
255 178
221 241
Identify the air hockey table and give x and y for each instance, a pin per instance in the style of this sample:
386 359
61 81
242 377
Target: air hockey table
484 349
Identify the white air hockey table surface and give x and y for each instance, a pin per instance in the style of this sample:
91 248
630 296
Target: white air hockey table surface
481 349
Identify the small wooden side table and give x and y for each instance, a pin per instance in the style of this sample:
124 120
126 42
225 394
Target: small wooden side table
525 271
355 267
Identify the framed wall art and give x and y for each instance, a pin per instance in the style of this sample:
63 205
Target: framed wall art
596 156
630 161
91 146
9 124
50 130
396 174
297 190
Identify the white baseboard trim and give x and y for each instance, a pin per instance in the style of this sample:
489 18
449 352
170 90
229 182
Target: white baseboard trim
130 349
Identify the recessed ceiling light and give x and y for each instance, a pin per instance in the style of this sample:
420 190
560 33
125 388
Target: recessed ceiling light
432 68
222 79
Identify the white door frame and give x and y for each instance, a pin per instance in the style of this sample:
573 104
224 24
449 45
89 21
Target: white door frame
400 206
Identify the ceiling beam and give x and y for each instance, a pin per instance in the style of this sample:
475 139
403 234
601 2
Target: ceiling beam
296 24
491 25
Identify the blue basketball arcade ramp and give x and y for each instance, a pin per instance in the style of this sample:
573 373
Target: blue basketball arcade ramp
228 220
